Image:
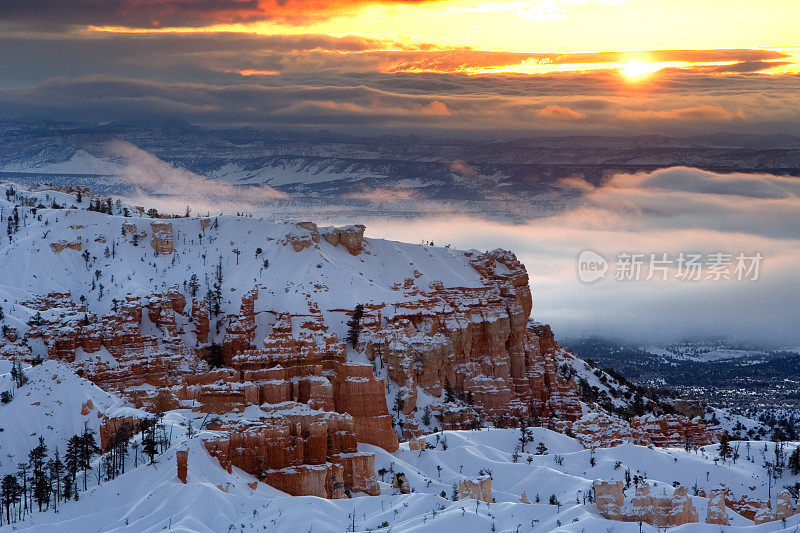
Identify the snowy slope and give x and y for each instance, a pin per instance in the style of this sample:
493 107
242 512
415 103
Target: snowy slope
50 406
150 498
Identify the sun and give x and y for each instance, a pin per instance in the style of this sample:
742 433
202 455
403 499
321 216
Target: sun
635 70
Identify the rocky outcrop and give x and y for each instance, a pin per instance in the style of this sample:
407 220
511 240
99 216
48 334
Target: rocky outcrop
763 515
599 429
162 237
305 236
182 457
400 483
298 450
417 443
659 511
474 340
200 320
479 488
675 430
609 498
60 246
717 511
115 429
784 507
351 237
745 505
308 235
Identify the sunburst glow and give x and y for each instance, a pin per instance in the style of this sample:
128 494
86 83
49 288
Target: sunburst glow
636 70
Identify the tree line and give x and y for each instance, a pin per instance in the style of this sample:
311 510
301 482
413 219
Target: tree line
45 481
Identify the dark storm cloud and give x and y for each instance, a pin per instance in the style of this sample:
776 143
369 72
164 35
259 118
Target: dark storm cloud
60 14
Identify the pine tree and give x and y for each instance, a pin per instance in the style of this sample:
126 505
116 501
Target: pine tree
354 326
37 458
525 435
794 462
194 284
22 473
37 319
9 494
725 446
87 450
56 470
18 375
149 442
72 458
426 415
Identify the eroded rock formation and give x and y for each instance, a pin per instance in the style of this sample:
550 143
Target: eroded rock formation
717 511
659 511
478 489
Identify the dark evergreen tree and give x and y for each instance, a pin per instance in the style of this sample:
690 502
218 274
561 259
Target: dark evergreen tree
149 439
194 284
88 448
40 482
354 326
725 450
10 492
794 462
37 319
18 375
215 359
525 435
56 470
72 458
22 474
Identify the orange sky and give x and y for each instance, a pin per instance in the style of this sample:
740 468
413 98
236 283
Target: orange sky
548 26
539 26
555 66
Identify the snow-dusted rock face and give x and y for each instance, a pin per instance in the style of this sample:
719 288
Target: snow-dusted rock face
660 511
478 489
717 513
596 428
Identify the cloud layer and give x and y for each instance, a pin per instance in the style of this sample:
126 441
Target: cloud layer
381 85
158 184
668 211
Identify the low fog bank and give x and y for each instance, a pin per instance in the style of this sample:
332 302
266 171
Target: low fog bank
667 211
